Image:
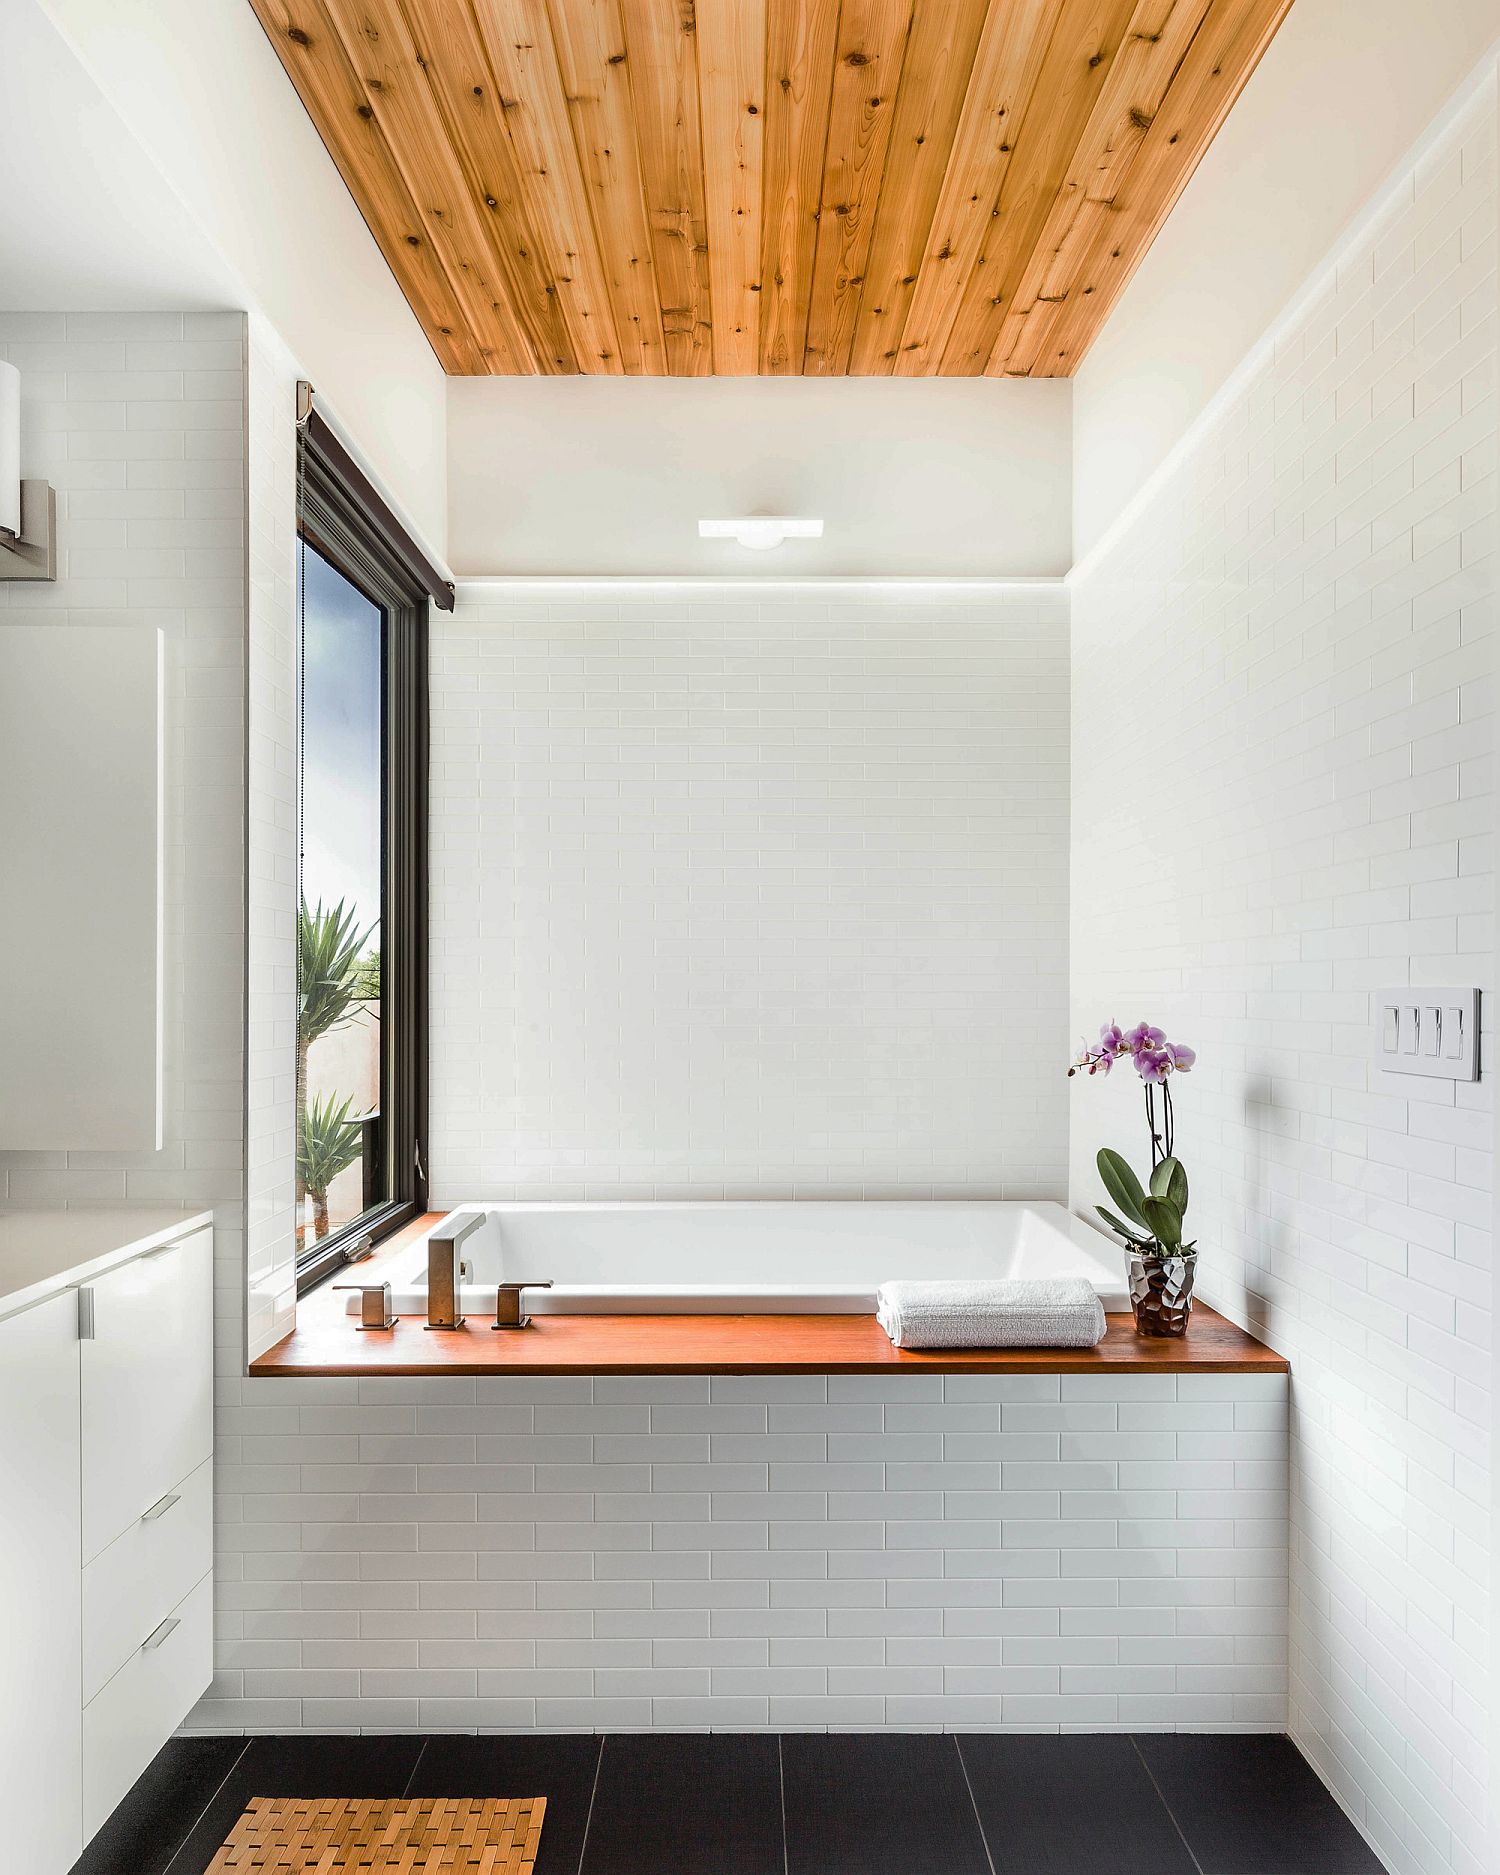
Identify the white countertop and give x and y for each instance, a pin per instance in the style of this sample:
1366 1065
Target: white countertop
42 1252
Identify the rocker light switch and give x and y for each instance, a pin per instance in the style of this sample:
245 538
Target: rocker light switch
1435 1033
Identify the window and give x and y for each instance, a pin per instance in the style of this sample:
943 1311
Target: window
361 929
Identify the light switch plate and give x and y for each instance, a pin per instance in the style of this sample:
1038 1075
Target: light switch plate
1427 1031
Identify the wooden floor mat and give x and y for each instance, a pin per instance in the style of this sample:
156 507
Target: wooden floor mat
389 1836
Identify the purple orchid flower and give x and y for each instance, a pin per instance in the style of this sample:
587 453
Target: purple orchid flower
1146 1046
1090 1060
1155 1060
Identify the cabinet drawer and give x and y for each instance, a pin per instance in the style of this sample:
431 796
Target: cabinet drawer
147 1383
129 1587
128 1721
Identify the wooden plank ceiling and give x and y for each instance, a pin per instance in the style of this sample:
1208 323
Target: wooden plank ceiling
902 187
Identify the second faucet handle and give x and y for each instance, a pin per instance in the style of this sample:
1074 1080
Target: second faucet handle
508 1305
374 1304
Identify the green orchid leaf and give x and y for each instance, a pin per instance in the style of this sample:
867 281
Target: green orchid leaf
1164 1221
1122 1185
1169 1180
1121 1230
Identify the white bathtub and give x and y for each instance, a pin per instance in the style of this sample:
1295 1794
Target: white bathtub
806 1258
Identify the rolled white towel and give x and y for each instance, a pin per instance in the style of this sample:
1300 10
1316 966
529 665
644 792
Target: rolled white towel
1059 1312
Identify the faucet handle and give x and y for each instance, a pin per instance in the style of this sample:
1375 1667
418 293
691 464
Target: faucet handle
374 1304
508 1305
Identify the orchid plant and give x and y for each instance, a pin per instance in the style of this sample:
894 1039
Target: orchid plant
1153 1213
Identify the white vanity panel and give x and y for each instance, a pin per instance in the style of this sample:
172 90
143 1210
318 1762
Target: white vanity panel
81 888
106 1537
40 1571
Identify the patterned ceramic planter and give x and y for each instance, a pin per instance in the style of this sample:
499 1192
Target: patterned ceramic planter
1161 1291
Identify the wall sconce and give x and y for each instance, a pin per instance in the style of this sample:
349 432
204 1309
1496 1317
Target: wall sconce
28 508
762 531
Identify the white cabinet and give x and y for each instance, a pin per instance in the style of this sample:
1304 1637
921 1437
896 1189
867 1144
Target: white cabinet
106 1538
147 1384
40 1573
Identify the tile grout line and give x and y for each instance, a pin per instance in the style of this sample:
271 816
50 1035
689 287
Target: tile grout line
1162 1799
583 1847
186 1836
786 1848
973 1800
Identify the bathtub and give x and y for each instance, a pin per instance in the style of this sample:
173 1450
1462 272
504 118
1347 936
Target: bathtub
769 1258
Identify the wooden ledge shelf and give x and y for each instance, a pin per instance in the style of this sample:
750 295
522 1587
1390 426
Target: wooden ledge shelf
328 1343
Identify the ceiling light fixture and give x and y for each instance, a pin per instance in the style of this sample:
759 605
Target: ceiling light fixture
762 531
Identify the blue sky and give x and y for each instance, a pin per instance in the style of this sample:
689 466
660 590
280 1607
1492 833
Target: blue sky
341 742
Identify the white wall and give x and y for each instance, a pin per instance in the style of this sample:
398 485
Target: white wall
610 475
201 88
1341 95
137 420
94 226
1298 639
748 893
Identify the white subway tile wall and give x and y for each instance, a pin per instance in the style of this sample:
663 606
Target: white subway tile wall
137 419
1040 1552
1283 756
749 893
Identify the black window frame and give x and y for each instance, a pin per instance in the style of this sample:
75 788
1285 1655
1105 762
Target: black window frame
336 520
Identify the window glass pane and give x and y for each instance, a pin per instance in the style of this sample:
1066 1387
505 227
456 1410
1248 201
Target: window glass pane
339 1170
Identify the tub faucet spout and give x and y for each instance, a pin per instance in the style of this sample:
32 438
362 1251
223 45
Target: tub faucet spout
445 1269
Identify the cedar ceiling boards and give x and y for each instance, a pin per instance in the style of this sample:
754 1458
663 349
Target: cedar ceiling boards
923 188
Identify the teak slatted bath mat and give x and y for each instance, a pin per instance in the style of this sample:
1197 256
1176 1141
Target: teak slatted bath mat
384 1836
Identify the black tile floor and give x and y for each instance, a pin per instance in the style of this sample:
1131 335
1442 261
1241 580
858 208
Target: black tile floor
801 1804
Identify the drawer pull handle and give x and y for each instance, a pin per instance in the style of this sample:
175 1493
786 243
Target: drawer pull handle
157 1635
161 1507
85 1314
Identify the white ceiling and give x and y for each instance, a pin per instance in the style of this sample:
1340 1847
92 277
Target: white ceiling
87 220
914 477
